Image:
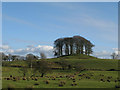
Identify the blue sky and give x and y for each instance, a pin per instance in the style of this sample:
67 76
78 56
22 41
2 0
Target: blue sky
31 25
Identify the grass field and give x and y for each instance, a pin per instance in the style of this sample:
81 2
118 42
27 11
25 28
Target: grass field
96 75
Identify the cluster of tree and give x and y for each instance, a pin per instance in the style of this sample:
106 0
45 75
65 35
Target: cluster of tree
11 57
72 45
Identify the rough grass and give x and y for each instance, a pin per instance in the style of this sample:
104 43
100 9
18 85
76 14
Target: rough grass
95 67
90 63
93 82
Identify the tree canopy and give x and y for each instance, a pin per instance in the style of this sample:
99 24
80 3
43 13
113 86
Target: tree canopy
72 45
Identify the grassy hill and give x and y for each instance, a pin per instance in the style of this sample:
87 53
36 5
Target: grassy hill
93 66
88 62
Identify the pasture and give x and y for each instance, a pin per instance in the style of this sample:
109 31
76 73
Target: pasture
97 73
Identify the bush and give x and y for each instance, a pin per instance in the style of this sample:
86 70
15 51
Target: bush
42 67
6 63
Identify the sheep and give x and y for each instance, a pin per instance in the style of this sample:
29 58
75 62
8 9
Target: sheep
62 82
79 75
47 82
116 86
24 78
36 79
73 84
10 75
61 76
53 79
60 85
115 80
13 77
8 78
110 77
74 81
36 84
87 77
102 80
108 80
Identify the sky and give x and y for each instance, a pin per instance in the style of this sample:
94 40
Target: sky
29 27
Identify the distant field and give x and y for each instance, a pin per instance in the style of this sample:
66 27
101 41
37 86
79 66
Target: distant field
96 69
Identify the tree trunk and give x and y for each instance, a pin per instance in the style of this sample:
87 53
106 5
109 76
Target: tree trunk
31 66
71 49
86 50
81 49
66 50
60 50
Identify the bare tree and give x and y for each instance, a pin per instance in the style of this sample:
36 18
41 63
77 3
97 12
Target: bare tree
2 56
30 58
43 56
9 57
113 55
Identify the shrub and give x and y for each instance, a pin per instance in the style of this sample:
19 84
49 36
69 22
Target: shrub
6 63
42 67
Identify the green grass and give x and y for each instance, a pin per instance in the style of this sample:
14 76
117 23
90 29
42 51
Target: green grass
54 84
93 82
88 62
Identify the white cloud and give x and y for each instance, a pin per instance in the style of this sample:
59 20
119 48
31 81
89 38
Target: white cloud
106 54
116 51
47 50
10 51
102 54
45 47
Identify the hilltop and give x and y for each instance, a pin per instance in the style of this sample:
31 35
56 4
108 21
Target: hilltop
88 62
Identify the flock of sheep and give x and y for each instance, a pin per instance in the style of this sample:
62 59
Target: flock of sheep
62 79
